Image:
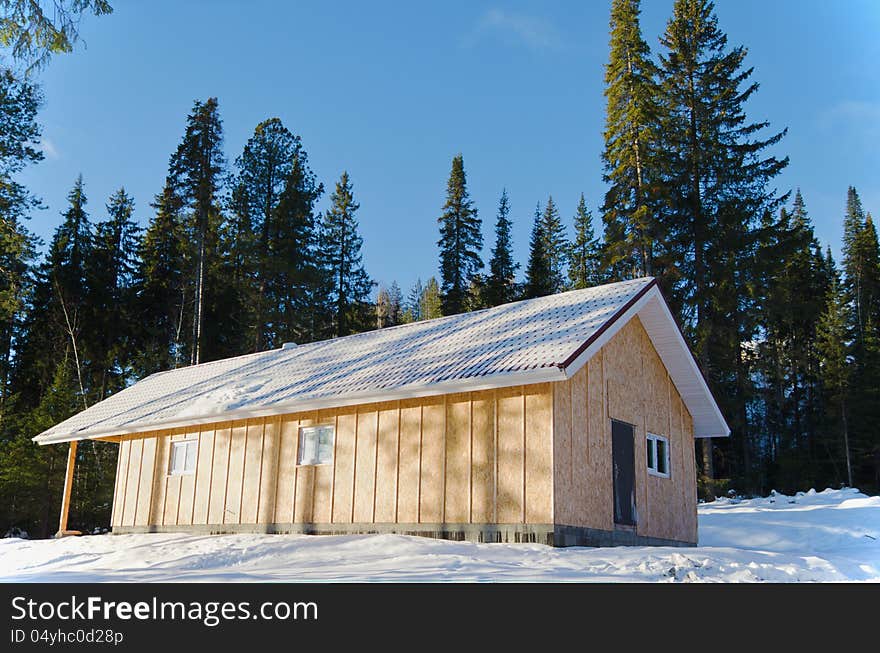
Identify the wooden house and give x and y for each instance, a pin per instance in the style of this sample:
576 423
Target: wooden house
568 420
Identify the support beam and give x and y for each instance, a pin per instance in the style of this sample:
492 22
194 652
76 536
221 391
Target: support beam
68 486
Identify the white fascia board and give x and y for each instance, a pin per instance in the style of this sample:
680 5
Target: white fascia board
655 297
505 380
723 430
618 323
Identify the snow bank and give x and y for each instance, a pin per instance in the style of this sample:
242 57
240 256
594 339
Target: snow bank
826 536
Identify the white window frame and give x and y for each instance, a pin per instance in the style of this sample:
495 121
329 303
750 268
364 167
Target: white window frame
313 448
652 440
185 445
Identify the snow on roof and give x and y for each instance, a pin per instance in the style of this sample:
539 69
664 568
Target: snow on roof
530 341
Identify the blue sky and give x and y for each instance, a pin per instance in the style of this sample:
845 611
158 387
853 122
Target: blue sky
391 91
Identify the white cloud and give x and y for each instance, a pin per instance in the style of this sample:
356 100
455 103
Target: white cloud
533 32
47 147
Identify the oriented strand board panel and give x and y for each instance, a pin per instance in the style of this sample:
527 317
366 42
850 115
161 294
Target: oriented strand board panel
129 506
410 456
204 479
510 455
322 502
539 454
145 484
483 458
458 458
269 472
431 487
253 466
286 471
121 481
597 511
235 473
387 463
160 480
219 472
172 500
344 451
580 445
562 453
365 465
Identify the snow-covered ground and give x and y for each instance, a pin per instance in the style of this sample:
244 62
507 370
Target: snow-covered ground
817 536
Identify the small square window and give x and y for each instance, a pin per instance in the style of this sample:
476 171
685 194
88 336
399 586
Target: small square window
315 445
658 455
183 457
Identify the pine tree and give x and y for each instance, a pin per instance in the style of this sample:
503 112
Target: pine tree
350 285
631 134
461 240
197 170
383 308
555 245
539 274
584 268
501 283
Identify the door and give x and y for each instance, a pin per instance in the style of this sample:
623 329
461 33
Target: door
623 460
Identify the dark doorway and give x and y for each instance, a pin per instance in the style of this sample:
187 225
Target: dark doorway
622 454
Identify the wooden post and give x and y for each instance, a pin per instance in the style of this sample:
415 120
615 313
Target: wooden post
68 486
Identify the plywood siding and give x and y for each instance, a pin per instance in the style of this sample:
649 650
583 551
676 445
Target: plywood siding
481 457
626 381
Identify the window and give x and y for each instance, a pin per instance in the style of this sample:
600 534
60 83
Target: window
658 455
315 445
183 457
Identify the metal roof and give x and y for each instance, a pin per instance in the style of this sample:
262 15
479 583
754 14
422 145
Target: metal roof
530 341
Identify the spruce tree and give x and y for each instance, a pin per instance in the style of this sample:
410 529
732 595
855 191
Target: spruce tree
55 321
584 267
501 283
19 132
539 274
716 188
197 169
349 284
430 303
111 271
831 341
395 304
461 240
556 245
264 168
630 157
162 289
413 309
299 310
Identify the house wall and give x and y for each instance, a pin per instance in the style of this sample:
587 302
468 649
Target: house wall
534 460
627 381
436 465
